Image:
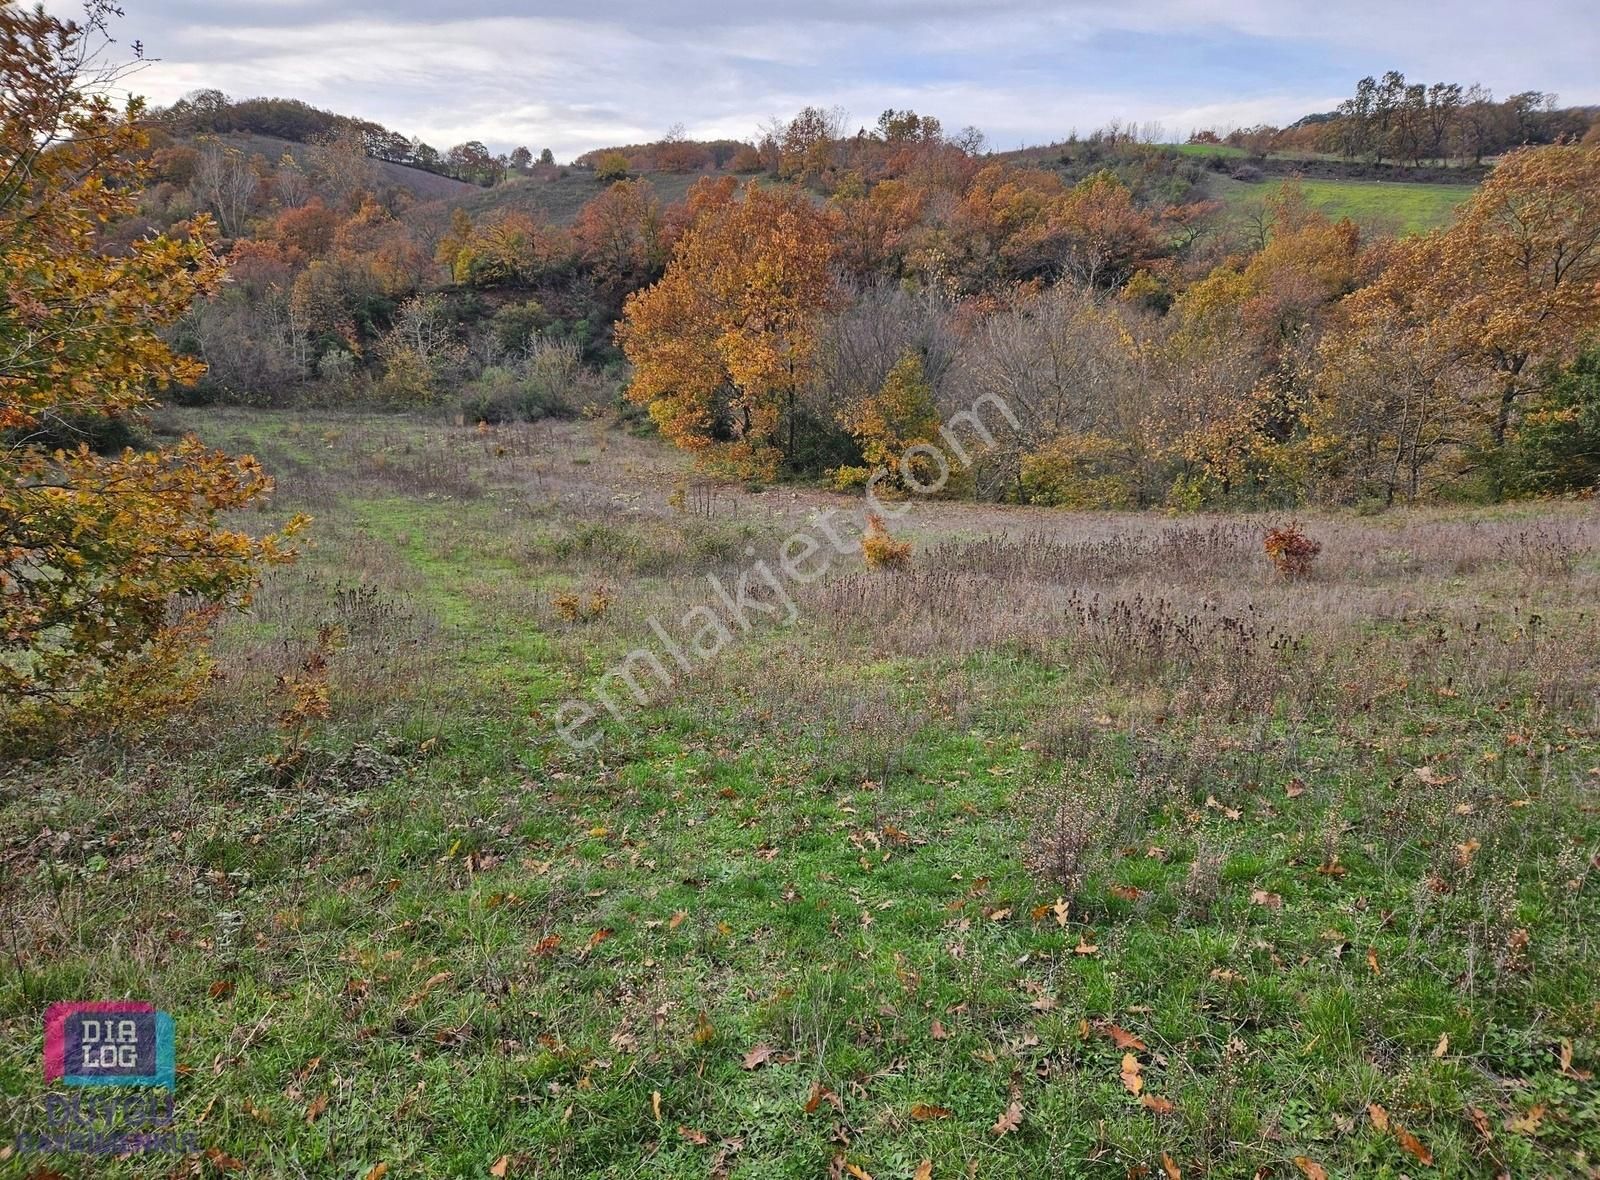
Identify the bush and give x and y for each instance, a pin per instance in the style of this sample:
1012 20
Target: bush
1077 471
1291 551
848 479
880 549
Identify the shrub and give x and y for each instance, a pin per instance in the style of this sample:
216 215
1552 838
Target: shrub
879 548
1291 551
848 479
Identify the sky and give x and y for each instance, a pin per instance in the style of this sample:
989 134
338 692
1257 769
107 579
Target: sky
572 75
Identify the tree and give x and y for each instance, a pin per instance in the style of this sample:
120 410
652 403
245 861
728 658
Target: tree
1513 286
547 157
521 160
612 166
224 179
722 346
899 416
622 237
96 551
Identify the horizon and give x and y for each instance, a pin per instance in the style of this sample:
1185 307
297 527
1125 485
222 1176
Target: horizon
571 81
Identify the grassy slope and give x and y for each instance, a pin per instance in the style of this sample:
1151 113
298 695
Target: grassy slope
1373 204
474 944
560 200
428 186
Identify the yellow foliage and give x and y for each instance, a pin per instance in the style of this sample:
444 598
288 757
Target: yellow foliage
94 549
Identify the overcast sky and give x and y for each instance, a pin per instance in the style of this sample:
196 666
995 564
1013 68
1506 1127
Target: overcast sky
576 74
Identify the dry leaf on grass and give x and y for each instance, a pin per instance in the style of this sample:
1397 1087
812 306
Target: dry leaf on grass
1131 1071
1009 1121
757 1057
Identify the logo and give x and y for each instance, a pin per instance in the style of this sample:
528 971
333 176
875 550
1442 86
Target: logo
109 1043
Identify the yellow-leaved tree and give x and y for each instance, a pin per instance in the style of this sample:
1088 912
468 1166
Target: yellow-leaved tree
1475 316
110 566
723 345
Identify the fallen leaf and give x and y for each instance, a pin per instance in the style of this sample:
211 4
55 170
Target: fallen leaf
1271 900
1443 1046
222 1161
1009 1121
1126 892
1085 947
377 1172
1171 1169
1372 960
677 919
1124 1039
1295 789
1379 1116
1311 1169
500 1166
1480 1120
1567 1068
757 1057
698 1138
924 1171
924 1113
1157 1105
221 989
655 1104
1413 1145
1131 1071
936 1031
1432 777
1527 1124
704 1031
318 1105
858 1172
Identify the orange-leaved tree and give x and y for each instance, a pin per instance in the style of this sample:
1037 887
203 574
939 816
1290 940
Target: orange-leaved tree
1512 287
109 566
723 345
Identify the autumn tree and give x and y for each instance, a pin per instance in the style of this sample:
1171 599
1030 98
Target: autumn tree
622 236
898 426
723 345
109 566
1510 289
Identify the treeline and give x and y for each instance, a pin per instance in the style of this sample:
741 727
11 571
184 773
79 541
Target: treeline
1390 119
211 112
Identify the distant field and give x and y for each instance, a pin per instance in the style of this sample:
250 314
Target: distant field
1374 204
1208 149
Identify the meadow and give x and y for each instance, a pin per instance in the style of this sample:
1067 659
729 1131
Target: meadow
1080 845
1378 206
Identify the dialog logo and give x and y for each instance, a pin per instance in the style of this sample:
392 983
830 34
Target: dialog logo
109 1043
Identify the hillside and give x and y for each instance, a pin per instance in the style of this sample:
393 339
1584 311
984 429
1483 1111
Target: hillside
425 186
558 200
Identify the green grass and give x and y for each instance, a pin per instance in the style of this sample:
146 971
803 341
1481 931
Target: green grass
1227 151
1406 208
835 843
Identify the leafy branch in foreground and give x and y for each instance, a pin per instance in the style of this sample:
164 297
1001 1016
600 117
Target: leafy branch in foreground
95 550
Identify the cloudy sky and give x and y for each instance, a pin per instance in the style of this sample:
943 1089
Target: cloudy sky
577 74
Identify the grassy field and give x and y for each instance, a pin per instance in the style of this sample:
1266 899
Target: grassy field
1373 204
1081 846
